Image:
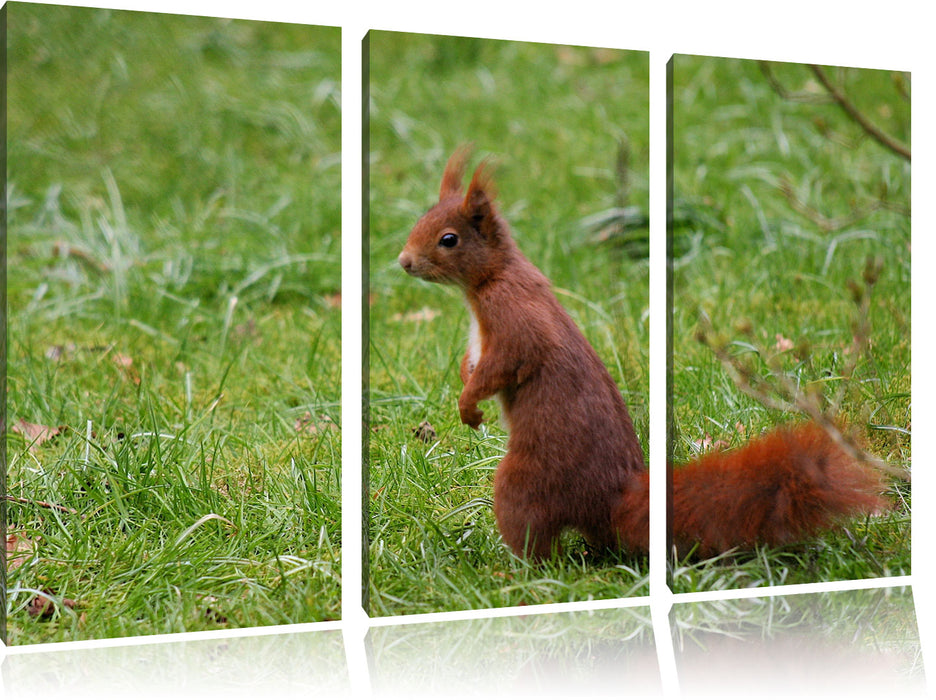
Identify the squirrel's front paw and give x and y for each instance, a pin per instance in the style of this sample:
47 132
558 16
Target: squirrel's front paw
470 415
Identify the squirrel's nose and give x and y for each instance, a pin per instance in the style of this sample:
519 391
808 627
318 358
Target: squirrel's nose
405 260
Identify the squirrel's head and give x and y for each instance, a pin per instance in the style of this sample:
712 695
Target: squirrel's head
462 239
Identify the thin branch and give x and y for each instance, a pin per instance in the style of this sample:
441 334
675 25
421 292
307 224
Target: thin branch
833 224
900 85
622 167
41 504
799 402
827 224
858 116
809 97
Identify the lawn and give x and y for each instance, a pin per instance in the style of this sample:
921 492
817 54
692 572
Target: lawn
173 323
780 199
568 129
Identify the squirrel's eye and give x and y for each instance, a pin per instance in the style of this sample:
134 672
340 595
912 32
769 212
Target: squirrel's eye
449 240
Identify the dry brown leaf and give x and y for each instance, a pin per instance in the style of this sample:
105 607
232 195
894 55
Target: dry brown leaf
305 424
425 432
703 444
707 444
783 344
18 550
35 433
125 364
121 360
43 607
308 425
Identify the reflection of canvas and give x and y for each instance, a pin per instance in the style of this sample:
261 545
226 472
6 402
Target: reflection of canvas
174 357
286 664
789 246
601 650
856 641
567 132
848 642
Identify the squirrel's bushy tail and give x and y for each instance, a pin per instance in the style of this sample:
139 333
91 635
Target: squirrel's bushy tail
780 488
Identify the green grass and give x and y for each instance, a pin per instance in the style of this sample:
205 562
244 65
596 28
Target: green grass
749 256
174 251
553 117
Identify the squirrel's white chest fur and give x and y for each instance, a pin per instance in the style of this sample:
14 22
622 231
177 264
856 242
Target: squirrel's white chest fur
475 346
474 341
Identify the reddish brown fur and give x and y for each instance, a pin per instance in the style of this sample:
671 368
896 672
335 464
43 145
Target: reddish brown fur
573 459
780 488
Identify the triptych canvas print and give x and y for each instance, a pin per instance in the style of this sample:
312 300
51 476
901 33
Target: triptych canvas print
174 351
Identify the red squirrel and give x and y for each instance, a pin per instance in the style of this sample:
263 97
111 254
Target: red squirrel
573 459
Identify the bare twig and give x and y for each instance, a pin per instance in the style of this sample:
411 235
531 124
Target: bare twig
833 224
832 93
622 167
810 97
900 85
825 223
62 249
858 116
41 504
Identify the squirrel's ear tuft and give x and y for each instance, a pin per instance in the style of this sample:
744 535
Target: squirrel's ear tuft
454 172
479 201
